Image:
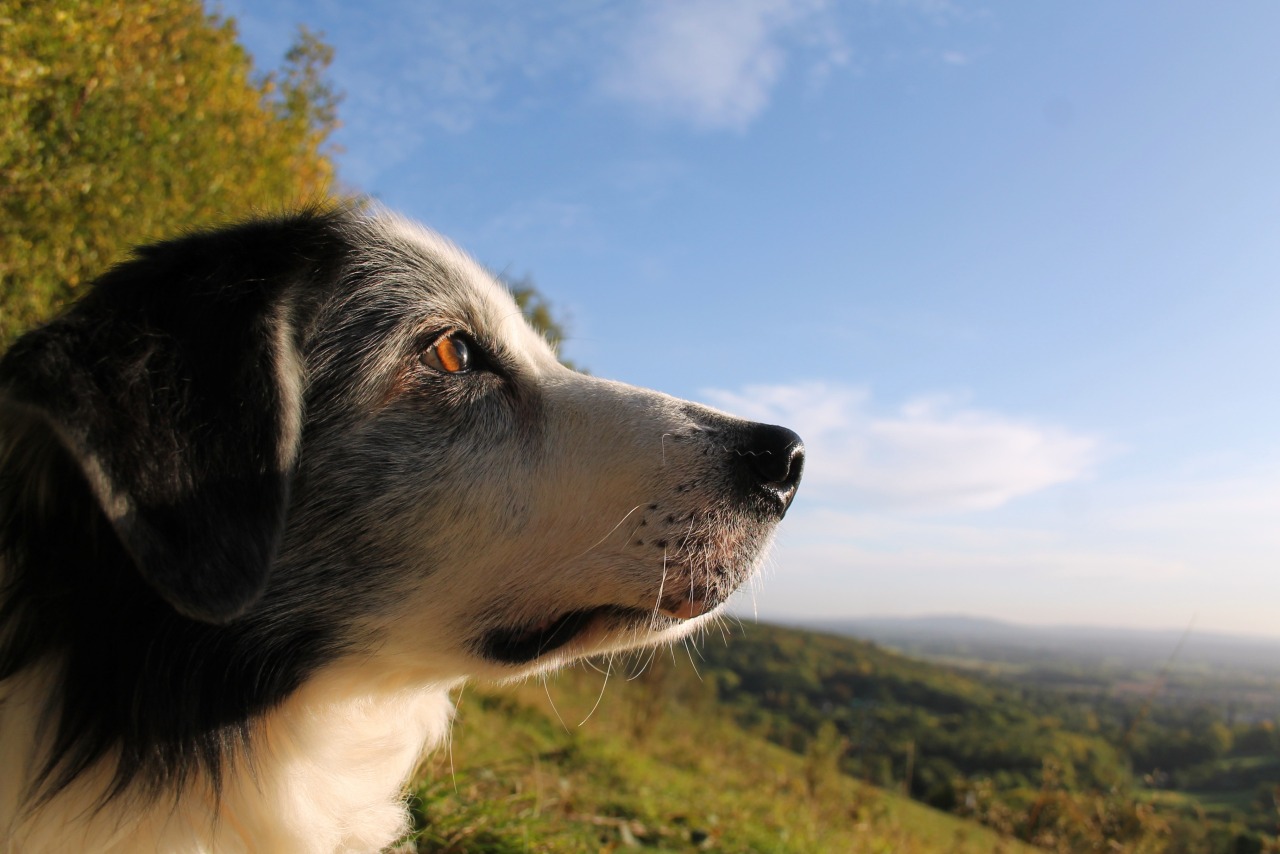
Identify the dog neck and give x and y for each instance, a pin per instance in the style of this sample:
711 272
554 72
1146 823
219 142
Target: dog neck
326 772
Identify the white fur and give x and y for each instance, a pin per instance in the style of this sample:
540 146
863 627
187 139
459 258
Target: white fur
328 774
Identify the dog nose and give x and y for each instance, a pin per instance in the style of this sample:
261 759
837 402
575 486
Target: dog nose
775 455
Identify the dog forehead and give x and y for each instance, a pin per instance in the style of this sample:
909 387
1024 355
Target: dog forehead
448 282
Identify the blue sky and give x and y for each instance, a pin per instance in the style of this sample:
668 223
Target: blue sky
1012 269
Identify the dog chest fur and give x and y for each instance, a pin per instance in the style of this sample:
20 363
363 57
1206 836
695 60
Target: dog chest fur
328 775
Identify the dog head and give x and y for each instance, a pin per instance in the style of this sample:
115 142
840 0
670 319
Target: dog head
334 434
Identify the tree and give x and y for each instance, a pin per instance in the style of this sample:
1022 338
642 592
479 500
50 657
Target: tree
122 124
125 123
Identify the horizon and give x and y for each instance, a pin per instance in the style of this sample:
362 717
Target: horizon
1009 270
1189 632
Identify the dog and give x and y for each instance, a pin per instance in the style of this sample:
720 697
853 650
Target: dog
269 493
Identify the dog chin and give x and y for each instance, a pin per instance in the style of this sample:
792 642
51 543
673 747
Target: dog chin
590 631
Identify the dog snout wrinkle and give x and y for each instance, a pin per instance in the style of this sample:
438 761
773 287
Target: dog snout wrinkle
774 456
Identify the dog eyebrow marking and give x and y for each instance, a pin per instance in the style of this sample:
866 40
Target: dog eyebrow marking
289 378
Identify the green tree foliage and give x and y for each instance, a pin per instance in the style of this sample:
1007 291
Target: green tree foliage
122 123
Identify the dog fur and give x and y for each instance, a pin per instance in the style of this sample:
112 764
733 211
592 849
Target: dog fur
258 518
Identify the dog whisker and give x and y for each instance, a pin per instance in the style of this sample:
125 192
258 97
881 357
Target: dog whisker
692 663
611 530
546 688
453 719
600 696
662 586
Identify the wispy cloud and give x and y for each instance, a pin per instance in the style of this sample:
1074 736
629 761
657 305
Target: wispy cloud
714 63
710 63
410 68
887 517
928 455
451 64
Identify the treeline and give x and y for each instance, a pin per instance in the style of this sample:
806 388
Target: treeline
1065 771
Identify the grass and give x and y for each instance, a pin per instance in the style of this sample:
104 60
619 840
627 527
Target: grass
652 767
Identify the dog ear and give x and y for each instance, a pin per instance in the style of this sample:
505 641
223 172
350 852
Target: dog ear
176 387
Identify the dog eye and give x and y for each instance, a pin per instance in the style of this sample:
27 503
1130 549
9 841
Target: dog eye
448 354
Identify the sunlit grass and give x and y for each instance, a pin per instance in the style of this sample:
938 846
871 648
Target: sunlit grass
654 766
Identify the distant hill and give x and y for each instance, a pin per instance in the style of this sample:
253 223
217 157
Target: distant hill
765 738
953 636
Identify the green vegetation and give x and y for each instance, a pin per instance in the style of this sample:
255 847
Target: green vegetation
785 740
122 123
658 765
1065 759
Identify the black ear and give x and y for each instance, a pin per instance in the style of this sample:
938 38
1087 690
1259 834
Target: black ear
176 386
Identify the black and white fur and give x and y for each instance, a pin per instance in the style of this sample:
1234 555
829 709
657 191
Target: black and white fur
252 533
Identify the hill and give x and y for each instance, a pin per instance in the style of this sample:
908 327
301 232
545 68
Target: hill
951 635
779 739
648 757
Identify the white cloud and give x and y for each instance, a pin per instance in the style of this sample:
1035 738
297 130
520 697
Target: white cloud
449 64
881 526
710 62
425 65
929 455
713 63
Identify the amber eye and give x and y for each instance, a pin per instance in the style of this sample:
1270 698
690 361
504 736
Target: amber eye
448 354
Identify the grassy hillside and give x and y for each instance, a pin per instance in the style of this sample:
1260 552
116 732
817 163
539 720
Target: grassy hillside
657 764
784 740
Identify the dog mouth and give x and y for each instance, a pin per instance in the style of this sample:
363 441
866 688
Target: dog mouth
523 644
